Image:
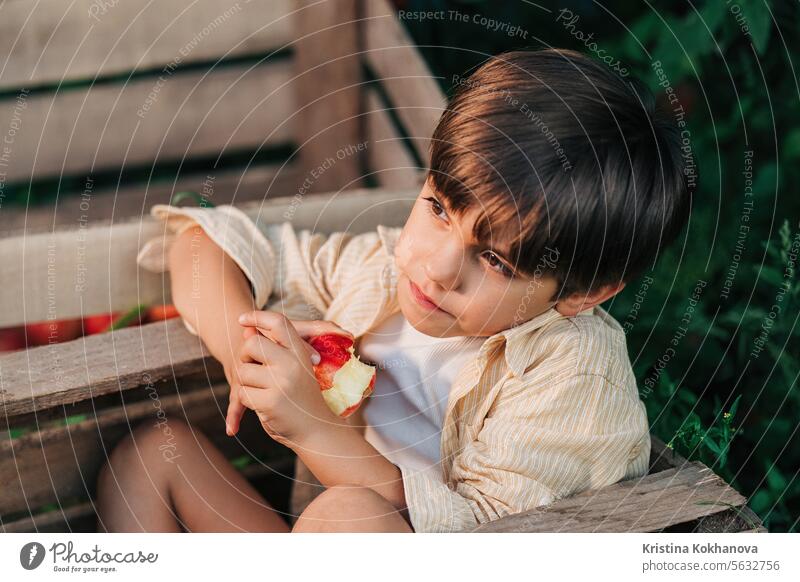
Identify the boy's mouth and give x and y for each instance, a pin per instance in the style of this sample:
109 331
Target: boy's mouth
422 299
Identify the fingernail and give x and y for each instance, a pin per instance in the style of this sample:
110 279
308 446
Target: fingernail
243 318
315 358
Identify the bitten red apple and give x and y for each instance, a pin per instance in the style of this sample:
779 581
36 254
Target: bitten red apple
345 380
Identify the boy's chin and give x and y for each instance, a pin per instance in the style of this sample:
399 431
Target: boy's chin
431 325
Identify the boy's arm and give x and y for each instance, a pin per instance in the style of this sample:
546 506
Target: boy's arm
210 292
236 257
342 456
276 258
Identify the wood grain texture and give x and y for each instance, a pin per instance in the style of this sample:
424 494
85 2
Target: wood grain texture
49 376
56 464
170 117
390 162
391 54
662 457
649 504
328 96
82 271
129 202
51 41
81 517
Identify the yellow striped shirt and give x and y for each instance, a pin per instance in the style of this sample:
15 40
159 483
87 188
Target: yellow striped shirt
549 408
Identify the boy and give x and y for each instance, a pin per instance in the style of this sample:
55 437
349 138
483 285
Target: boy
503 384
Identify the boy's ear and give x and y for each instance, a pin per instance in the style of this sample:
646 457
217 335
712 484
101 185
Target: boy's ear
578 302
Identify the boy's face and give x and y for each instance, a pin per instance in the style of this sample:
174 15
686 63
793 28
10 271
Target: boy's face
468 282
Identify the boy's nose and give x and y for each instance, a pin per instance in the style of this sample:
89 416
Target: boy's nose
444 267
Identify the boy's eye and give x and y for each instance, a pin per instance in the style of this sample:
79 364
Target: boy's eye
498 265
435 207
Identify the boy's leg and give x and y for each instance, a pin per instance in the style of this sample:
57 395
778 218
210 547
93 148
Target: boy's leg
154 486
350 508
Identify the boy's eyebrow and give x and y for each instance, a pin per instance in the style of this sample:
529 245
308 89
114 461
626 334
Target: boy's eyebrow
476 245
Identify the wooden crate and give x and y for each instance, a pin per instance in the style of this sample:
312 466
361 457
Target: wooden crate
365 83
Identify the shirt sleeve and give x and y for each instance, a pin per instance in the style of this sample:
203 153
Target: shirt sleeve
535 446
278 260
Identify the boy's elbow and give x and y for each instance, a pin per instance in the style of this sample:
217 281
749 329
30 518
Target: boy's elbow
187 245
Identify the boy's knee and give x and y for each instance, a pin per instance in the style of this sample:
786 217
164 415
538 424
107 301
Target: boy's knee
148 442
346 508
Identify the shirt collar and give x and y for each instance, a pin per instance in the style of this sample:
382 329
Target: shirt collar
388 236
519 346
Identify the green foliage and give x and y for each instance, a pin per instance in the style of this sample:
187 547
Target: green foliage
729 396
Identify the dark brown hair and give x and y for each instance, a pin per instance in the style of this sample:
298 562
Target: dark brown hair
563 154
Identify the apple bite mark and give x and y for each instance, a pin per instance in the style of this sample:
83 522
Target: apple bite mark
344 379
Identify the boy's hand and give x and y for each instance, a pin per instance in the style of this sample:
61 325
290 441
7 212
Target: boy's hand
276 375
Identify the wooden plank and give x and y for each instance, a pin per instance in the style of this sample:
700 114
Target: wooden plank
72 273
52 375
328 73
59 463
127 202
737 520
51 41
391 54
58 374
662 457
81 517
76 518
388 156
170 117
648 504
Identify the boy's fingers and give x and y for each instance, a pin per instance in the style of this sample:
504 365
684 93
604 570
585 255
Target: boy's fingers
261 350
235 412
275 325
259 376
308 329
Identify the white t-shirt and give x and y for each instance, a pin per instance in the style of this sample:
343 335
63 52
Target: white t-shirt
405 413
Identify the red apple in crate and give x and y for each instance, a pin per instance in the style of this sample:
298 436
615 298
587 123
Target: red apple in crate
99 323
161 312
344 379
11 339
53 331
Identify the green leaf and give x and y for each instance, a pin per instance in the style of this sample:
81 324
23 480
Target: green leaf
712 446
75 419
127 318
761 501
775 480
241 462
179 196
758 22
734 407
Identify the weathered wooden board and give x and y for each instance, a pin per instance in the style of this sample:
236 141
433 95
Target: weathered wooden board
391 54
389 159
127 202
662 457
77 272
147 120
51 41
652 503
99 364
81 517
56 464
328 96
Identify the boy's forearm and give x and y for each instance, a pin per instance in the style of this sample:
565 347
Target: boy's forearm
210 291
342 456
